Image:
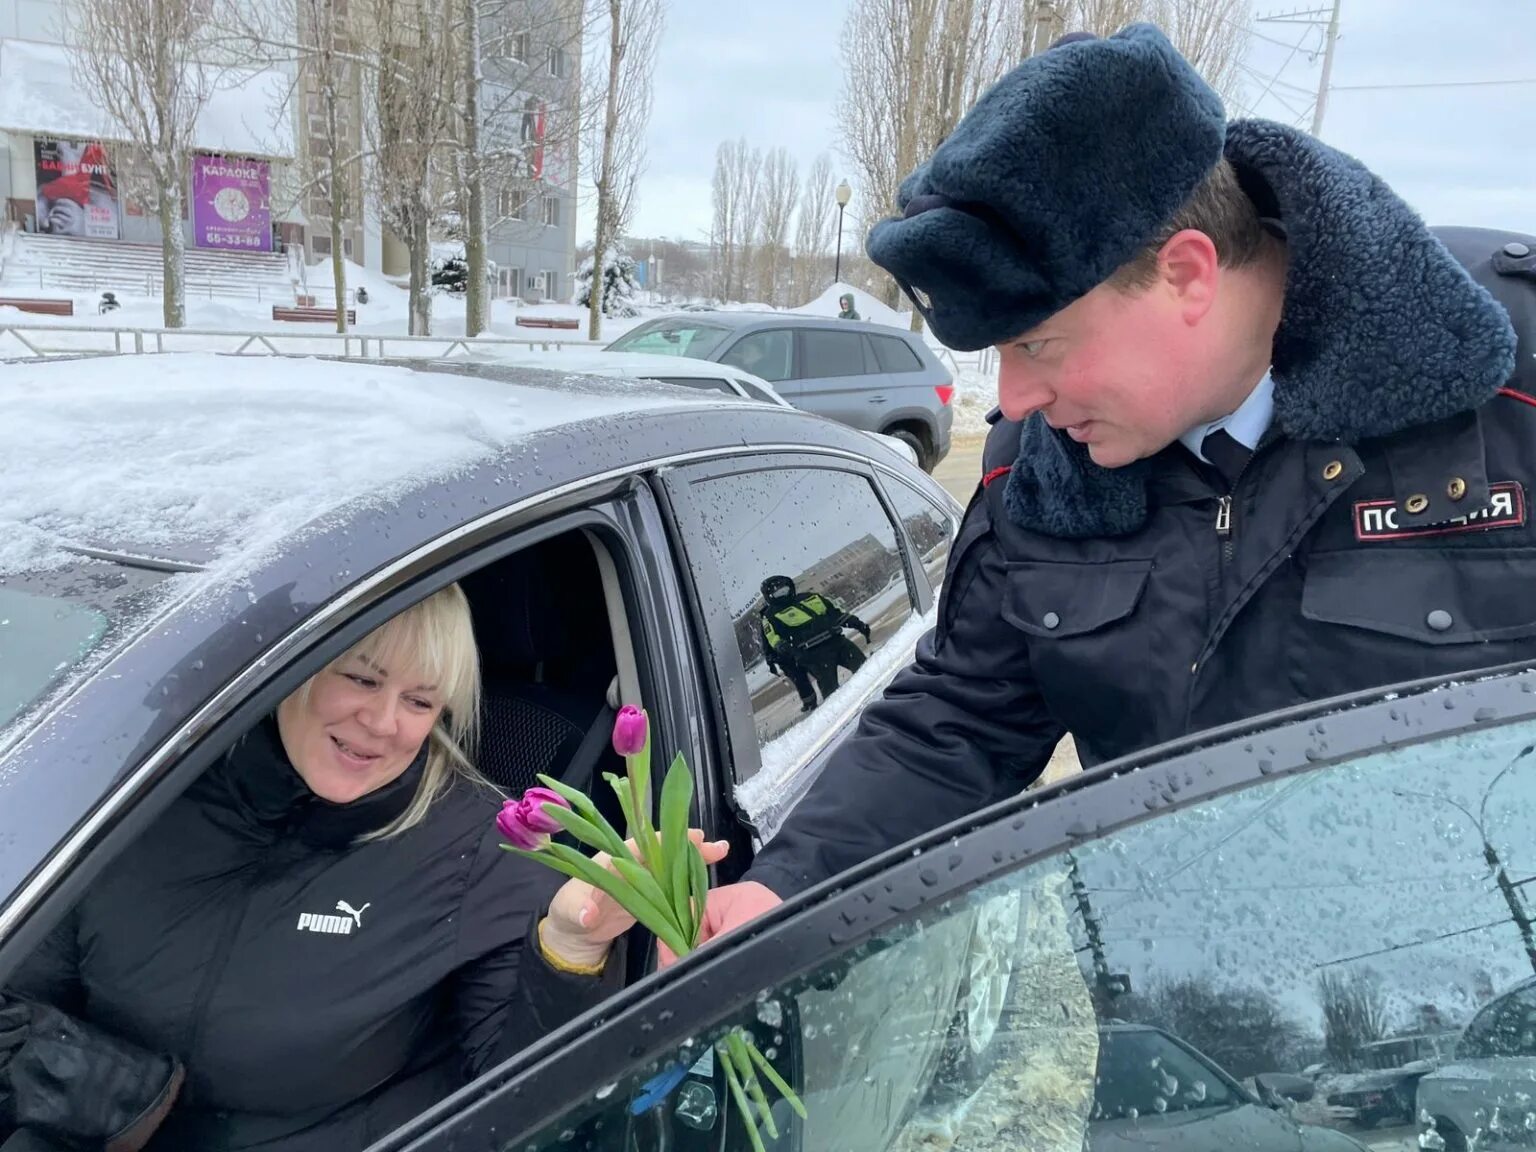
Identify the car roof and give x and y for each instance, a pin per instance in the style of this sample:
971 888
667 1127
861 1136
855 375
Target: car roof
742 318
188 457
641 365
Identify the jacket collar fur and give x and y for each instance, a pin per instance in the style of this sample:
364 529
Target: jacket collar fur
1382 330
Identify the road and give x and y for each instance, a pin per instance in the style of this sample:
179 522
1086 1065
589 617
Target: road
959 472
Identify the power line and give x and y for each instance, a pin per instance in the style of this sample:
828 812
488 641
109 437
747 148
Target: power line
1432 84
1414 943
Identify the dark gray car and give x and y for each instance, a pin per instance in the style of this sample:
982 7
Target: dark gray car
869 376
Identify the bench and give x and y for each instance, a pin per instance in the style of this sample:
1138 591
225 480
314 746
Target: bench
311 315
40 307
547 322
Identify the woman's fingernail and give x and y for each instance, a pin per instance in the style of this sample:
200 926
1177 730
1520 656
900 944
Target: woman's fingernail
584 916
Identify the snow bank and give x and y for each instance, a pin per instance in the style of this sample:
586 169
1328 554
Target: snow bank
866 305
770 795
40 93
233 454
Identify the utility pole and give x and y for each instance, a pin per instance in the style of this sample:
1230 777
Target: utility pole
1109 985
1517 911
1314 18
1322 87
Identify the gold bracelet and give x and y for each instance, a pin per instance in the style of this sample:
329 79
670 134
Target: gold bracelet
560 965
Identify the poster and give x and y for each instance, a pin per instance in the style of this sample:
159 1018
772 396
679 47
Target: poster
231 203
76 191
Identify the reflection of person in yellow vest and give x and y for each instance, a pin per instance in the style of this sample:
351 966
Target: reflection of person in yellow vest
802 638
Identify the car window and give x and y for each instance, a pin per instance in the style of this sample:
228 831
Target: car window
710 383
894 354
1124 990
769 356
672 338
759 393
825 537
930 529
827 354
51 621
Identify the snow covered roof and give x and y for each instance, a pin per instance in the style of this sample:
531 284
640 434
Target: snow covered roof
40 95
219 458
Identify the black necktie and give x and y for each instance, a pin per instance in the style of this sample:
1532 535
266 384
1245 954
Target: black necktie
1228 456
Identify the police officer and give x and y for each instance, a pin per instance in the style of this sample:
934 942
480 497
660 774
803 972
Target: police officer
1262 440
803 635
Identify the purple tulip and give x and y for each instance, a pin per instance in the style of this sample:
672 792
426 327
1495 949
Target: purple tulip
629 731
524 822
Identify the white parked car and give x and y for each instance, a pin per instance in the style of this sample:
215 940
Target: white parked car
679 370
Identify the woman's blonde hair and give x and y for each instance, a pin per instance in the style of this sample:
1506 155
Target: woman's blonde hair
433 638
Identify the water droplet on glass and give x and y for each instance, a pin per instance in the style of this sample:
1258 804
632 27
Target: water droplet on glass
929 877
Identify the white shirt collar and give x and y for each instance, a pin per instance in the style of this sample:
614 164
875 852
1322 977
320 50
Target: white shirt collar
1247 425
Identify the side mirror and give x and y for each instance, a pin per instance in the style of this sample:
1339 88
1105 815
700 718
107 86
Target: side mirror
1277 1089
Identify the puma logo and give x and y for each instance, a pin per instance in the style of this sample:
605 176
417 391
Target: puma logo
334 925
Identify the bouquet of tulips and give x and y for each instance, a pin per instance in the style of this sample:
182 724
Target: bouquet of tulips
656 874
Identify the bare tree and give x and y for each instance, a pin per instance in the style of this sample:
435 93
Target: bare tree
411 140
749 221
1245 1030
320 42
726 192
144 65
780 194
1354 1014
814 228
1211 34
623 82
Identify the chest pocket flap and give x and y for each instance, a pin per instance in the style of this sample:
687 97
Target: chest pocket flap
1054 600
1433 595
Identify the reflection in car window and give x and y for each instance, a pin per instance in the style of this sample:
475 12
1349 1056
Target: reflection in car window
930 530
813 579
767 355
672 338
830 354
1166 985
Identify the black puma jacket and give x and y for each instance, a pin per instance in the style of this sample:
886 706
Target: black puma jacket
1381 533
316 992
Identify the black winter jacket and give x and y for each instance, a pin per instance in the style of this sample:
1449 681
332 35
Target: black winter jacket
318 992
1382 533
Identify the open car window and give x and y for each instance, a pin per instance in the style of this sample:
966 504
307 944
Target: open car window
1156 955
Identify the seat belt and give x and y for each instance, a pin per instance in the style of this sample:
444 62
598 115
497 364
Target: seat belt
583 763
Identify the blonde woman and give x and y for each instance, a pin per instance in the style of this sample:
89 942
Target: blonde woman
319 940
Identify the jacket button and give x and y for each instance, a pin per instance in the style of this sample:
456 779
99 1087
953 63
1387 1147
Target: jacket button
1050 620
1439 620
1333 470
1456 489
1416 504
1516 249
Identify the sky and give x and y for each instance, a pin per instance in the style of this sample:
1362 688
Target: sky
771 73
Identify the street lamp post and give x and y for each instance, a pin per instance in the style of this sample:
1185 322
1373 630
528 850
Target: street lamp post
844 194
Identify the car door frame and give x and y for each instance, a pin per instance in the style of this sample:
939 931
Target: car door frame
872 385
651 1020
794 378
720 655
621 506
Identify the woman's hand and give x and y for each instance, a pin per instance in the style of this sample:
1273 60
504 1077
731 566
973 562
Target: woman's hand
583 921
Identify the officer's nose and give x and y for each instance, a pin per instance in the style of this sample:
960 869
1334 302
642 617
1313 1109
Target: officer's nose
1021 389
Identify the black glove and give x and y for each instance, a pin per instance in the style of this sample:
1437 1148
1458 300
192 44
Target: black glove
773 667
869 637
68 1082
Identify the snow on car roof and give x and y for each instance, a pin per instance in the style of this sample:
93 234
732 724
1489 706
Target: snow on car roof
213 456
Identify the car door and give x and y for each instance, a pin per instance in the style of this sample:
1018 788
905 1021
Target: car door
1232 906
839 378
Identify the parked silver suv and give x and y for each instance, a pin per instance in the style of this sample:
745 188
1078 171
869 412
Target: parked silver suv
869 376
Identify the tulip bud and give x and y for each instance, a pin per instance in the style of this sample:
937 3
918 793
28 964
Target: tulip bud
630 731
524 822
